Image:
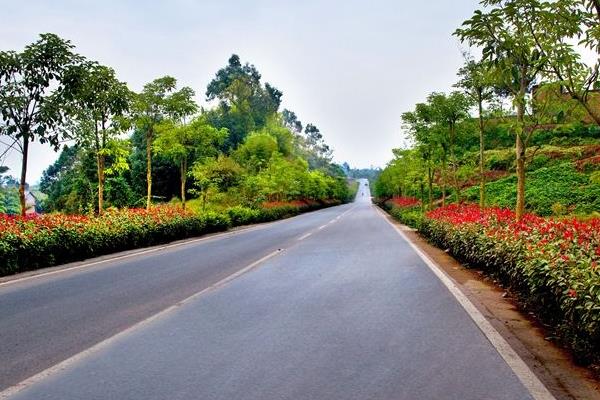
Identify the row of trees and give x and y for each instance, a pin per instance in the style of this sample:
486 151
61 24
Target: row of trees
532 59
51 94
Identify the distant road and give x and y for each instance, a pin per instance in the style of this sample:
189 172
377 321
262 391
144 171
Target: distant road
346 310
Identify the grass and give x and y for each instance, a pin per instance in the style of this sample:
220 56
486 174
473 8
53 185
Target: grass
556 190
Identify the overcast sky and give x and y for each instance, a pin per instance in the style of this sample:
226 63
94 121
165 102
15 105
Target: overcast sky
350 67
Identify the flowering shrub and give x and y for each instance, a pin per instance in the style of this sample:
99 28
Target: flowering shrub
37 241
405 209
405 202
551 263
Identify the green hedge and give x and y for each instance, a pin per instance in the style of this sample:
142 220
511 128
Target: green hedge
36 242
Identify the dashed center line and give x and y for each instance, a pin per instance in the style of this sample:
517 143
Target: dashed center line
305 236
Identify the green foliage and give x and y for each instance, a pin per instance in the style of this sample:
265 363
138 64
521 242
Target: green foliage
33 89
256 151
245 105
264 157
412 217
547 186
182 141
56 239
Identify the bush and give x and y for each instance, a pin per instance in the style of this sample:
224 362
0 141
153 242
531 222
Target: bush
41 241
406 210
240 215
551 263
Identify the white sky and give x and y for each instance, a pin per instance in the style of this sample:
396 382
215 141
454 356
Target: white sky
350 67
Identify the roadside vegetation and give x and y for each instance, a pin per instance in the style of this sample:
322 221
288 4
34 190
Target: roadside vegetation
137 169
503 170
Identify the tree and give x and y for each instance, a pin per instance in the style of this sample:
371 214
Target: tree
555 27
159 100
256 151
476 83
9 196
181 141
433 144
32 87
317 152
220 173
244 103
447 111
507 43
99 105
291 121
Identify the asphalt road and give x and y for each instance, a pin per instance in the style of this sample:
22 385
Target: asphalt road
347 310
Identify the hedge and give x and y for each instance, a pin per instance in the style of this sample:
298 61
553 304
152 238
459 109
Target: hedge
32 242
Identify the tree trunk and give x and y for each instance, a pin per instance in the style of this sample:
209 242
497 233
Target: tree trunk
520 154
590 110
481 152
183 179
422 196
430 186
100 165
443 176
149 168
24 174
454 163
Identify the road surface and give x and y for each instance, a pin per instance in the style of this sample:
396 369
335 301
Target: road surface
346 309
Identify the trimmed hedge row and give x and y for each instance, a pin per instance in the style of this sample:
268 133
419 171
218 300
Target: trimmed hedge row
408 213
36 242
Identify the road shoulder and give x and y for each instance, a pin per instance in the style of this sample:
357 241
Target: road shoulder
552 364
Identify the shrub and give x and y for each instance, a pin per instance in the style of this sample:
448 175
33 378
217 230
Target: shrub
32 242
407 210
38 241
240 215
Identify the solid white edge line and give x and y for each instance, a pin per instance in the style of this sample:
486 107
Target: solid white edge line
527 377
13 390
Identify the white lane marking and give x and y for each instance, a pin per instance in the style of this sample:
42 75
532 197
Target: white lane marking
531 382
305 236
11 391
334 220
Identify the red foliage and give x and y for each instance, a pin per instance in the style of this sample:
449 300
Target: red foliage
558 236
405 202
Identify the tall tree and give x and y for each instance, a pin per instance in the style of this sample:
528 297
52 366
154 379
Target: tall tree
556 26
180 141
431 142
503 33
159 100
245 104
218 174
447 111
475 81
291 121
99 105
31 96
